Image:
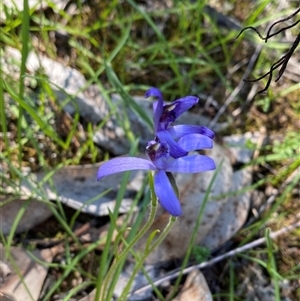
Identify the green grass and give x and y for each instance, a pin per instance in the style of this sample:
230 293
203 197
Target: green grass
123 48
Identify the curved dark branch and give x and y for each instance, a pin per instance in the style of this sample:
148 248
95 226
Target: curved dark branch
283 61
280 21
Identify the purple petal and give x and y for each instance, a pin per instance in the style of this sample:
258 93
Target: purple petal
157 106
123 164
157 112
178 131
175 150
173 110
193 142
154 92
191 164
165 193
183 104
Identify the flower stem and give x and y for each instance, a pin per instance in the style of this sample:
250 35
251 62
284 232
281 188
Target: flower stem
148 250
124 253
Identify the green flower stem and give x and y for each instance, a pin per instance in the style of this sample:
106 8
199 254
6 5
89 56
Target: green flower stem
148 250
125 252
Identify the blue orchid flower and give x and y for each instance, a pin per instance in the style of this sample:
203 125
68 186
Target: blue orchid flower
168 152
161 162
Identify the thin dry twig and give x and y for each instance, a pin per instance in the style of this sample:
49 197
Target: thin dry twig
269 35
231 253
283 61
